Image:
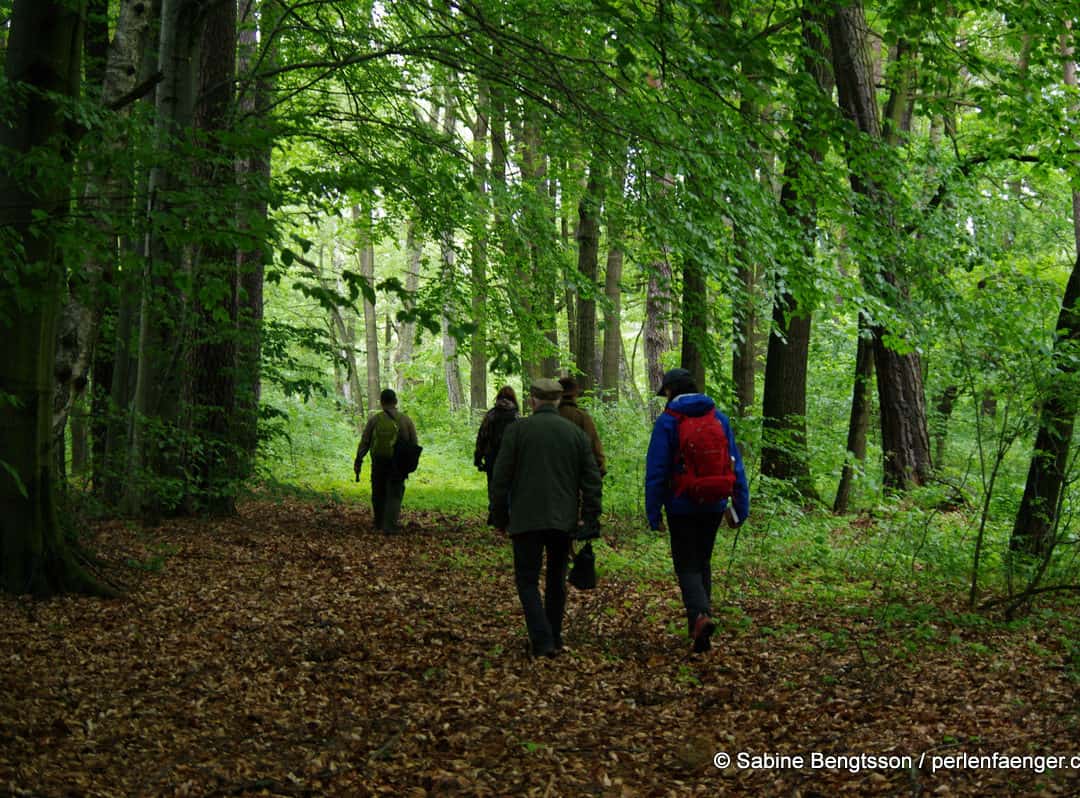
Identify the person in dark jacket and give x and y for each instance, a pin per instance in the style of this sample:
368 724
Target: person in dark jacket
692 526
544 469
380 434
568 409
489 437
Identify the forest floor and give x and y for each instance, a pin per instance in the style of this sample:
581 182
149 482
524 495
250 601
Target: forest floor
291 651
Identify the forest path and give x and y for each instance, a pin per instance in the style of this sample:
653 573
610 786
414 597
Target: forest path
291 651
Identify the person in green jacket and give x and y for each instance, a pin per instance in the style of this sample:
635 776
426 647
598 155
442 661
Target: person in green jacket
544 468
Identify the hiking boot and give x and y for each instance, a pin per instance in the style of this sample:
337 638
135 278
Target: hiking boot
534 652
703 629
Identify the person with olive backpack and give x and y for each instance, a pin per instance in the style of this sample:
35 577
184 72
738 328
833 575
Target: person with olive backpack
390 437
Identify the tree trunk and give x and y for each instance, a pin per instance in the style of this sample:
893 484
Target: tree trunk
1036 520
478 277
588 236
613 344
407 334
216 283
254 173
362 222
859 422
904 436
155 471
784 452
695 320
44 48
105 200
657 310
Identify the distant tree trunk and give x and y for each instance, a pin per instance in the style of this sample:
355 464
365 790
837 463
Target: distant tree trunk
784 452
105 199
657 310
44 49
155 473
904 435
588 236
407 333
254 173
859 422
944 406
695 320
215 272
613 344
478 345
744 305
1036 519
454 393
366 248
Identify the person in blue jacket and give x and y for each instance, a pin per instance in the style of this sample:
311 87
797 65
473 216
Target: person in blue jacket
692 526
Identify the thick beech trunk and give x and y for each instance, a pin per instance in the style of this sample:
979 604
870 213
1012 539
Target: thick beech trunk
1036 520
784 451
43 55
905 439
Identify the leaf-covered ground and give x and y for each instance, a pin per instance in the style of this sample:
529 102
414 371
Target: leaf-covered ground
291 651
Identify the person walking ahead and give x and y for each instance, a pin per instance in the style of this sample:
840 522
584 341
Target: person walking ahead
544 468
380 434
568 409
684 472
489 436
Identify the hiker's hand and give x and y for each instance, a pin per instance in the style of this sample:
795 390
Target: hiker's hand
589 530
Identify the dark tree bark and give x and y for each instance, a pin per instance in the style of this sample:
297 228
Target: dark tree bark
254 173
904 436
859 422
784 454
44 49
695 320
216 284
155 457
1036 519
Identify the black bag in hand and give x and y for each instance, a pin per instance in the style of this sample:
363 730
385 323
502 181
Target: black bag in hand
583 569
406 458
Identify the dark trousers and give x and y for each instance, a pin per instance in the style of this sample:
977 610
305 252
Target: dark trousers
386 495
692 539
543 617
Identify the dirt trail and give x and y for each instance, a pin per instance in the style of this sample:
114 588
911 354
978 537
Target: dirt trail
290 651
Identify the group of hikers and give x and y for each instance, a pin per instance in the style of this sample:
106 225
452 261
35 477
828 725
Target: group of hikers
545 476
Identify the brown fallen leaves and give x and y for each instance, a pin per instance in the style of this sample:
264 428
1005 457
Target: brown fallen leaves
290 651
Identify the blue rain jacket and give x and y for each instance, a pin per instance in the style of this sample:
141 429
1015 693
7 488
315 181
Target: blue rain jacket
660 464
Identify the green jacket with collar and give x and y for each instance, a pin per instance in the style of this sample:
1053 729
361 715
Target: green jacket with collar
545 465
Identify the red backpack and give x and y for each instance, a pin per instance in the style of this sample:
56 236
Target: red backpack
707 475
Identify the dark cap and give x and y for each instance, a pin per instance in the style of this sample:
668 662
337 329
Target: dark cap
569 386
671 377
546 389
388 397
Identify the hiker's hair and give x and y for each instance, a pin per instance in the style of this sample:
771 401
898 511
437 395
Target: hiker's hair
507 392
